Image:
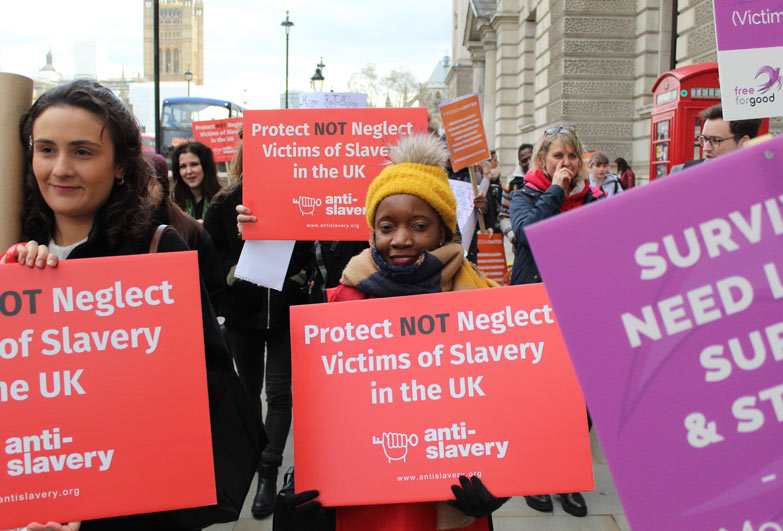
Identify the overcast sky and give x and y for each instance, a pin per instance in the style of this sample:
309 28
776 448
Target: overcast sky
244 42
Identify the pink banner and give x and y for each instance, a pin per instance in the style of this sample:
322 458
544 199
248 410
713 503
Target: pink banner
673 322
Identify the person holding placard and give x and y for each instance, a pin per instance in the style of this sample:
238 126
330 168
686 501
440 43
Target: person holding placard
412 213
195 178
86 195
258 331
557 182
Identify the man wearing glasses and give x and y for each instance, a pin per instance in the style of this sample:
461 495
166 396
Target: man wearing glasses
719 137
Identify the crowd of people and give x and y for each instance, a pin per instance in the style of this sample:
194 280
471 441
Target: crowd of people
90 191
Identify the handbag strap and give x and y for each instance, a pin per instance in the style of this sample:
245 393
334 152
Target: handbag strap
159 232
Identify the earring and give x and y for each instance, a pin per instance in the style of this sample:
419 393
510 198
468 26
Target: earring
120 181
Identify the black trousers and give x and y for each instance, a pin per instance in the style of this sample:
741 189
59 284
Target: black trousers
248 347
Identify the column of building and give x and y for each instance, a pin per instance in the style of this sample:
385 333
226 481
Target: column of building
653 58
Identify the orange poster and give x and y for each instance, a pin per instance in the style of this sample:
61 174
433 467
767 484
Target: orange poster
103 393
395 398
465 131
491 258
307 170
221 136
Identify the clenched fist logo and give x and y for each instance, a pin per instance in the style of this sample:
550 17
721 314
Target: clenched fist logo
307 204
395 445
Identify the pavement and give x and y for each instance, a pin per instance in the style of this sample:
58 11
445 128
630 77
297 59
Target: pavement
604 511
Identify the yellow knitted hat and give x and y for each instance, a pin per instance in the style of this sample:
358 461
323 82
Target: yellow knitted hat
416 169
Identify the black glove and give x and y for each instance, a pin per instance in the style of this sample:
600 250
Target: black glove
300 512
473 498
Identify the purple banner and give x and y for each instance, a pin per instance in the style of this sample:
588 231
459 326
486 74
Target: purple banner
670 299
746 24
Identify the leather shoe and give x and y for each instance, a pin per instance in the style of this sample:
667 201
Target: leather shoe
574 503
540 502
264 501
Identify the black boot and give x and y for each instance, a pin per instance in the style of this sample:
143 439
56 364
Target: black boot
264 502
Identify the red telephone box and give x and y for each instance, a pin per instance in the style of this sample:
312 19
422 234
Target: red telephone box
679 96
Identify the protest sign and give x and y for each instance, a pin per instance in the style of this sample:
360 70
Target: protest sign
103 390
491 258
464 131
750 57
221 136
307 170
675 330
332 100
396 397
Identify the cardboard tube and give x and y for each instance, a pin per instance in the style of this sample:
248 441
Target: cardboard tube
17 96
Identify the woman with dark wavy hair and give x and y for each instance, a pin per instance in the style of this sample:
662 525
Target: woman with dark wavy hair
195 178
86 195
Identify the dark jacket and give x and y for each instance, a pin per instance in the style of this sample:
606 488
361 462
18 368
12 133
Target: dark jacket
237 431
244 304
529 206
208 265
329 260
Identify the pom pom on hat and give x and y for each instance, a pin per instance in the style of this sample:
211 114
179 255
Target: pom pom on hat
416 169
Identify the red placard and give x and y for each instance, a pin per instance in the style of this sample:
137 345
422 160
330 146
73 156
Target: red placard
465 131
395 398
491 258
306 171
221 136
103 390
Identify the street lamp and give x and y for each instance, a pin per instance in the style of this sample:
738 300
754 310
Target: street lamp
287 24
188 78
317 81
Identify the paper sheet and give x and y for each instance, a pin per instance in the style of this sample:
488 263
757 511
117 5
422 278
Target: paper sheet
466 214
265 262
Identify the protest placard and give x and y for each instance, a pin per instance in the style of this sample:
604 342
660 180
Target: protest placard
307 170
332 100
750 57
103 390
465 131
491 258
674 327
395 398
221 136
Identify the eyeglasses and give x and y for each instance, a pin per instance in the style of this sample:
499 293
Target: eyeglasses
712 140
555 130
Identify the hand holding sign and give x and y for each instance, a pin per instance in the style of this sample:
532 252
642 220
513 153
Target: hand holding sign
473 498
54 526
30 254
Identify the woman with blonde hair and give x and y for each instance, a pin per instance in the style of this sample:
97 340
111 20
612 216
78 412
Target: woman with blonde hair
557 182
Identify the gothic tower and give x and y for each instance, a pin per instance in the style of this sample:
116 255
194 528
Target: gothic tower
181 40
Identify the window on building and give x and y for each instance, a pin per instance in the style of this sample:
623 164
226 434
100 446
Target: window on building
168 61
176 60
147 4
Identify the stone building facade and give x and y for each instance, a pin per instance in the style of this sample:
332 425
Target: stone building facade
589 63
181 40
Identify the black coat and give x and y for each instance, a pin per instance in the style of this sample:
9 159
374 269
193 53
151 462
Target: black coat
237 432
244 304
208 263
